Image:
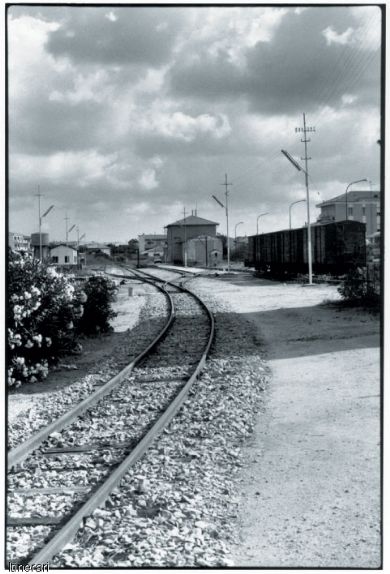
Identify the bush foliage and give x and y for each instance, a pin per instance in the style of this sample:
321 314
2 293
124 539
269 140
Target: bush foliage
356 289
45 314
100 293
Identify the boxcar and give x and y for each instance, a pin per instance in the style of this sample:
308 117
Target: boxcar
336 248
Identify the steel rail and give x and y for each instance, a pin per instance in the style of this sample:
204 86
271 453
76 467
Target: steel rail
71 527
19 453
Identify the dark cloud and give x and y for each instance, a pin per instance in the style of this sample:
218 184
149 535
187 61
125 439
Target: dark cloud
41 126
132 35
296 70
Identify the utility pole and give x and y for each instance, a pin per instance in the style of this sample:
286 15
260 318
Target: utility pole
185 238
306 140
226 184
66 229
39 195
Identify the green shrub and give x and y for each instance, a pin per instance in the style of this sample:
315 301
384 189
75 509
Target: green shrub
355 289
100 293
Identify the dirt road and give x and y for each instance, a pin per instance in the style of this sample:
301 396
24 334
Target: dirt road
311 484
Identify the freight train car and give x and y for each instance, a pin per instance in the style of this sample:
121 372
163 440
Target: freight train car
336 248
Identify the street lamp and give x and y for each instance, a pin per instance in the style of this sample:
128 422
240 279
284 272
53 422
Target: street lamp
235 231
346 194
289 209
257 221
300 168
71 229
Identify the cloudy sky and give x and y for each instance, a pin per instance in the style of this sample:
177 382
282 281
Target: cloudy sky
125 115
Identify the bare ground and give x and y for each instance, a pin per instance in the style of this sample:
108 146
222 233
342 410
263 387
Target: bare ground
310 494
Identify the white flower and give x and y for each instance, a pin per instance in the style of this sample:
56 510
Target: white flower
27 295
29 344
19 360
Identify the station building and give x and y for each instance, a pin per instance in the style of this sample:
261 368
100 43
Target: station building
182 231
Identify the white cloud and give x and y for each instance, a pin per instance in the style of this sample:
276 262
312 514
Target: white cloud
348 99
111 16
148 179
86 87
332 37
179 125
81 166
29 63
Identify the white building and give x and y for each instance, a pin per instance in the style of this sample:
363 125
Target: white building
361 206
63 255
18 241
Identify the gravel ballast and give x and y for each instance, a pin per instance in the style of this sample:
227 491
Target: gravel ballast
177 505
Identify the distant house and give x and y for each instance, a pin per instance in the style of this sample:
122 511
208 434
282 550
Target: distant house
154 241
94 247
63 255
19 242
363 206
181 231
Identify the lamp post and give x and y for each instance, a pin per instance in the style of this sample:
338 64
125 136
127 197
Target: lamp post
257 221
346 194
289 209
300 168
235 231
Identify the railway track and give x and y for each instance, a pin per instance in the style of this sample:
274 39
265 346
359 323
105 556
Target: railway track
59 476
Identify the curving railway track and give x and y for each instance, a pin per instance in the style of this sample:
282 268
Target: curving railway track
59 476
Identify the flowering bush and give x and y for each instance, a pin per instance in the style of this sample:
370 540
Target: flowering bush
45 314
42 308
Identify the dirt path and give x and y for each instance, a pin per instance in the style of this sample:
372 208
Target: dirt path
310 488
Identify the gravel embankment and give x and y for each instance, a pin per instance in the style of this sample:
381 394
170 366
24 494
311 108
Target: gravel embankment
177 506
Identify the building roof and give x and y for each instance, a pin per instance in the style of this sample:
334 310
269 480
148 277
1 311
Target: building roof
353 197
152 236
62 245
193 220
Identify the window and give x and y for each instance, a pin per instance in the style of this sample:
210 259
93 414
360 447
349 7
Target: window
364 210
66 259
55 259
350 211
